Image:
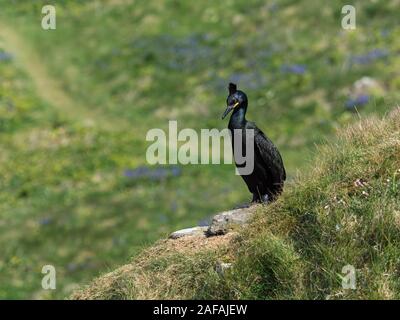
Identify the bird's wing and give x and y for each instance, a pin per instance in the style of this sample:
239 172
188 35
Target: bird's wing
269 154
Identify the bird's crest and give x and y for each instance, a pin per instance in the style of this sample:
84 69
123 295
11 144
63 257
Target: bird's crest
232 88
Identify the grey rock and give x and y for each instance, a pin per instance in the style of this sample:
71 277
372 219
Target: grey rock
366 86
222 267
221 223
195 231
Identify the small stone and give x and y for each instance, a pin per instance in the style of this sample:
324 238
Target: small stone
360 183
222 267
195 231
366 85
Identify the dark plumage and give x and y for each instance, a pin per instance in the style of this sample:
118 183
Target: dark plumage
267 179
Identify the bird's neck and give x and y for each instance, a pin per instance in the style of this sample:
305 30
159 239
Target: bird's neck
238 119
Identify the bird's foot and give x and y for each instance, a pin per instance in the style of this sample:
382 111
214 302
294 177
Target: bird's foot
264 199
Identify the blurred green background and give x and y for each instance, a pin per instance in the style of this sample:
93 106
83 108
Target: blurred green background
76 104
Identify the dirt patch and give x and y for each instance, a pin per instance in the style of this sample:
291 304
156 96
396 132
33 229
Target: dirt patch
196 243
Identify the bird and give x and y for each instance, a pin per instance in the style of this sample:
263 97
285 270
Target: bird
267 179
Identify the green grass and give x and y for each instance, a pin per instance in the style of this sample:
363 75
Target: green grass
296 247
76 104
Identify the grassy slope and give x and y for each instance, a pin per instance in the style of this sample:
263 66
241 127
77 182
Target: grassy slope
114 69
296 247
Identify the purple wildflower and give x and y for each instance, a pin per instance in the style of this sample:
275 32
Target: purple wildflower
370 56
5 56
45 221
155 174
294 68
359 101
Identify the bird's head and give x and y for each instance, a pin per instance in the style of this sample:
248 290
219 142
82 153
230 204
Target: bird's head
236 100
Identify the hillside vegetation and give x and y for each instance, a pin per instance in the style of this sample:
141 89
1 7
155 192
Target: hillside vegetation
76 103
346 211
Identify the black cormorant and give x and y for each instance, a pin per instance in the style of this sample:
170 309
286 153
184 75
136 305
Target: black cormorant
266 180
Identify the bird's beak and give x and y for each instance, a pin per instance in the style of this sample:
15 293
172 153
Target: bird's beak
229 109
